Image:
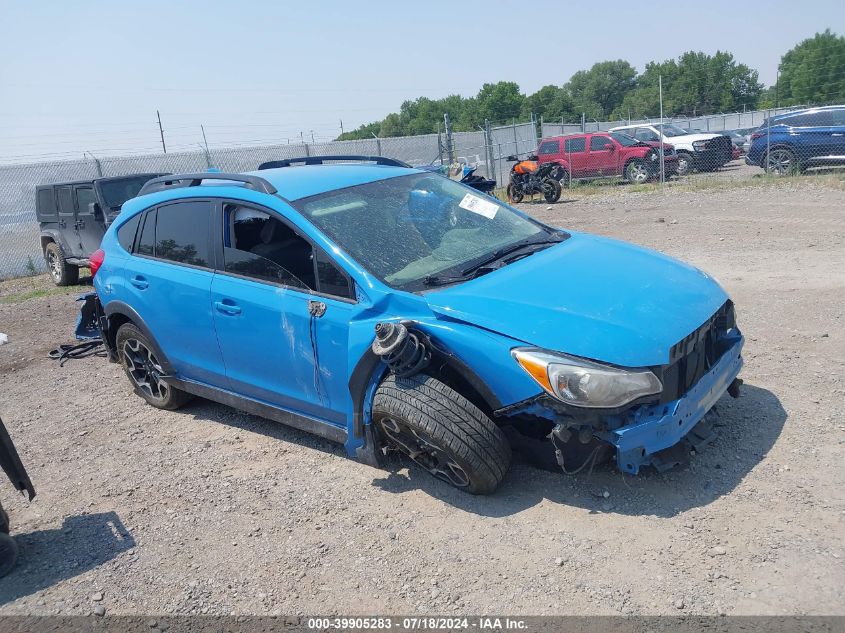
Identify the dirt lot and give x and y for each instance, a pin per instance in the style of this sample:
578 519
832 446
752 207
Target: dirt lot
208 510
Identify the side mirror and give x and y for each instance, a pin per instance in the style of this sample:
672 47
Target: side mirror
511 158
610 147
95 210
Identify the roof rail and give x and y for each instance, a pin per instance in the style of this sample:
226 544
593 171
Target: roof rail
319 160
195 180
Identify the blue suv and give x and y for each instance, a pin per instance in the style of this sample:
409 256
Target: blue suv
789 143
394 310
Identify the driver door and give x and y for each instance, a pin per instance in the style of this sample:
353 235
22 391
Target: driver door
281 310
603 159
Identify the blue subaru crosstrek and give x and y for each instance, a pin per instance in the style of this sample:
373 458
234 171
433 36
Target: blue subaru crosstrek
394 310
788 143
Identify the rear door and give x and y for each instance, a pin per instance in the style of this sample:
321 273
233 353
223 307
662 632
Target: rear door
575 152
168 282
837 133
602 159
88 225
67 221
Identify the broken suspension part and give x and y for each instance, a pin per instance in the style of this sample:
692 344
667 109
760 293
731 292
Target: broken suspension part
401 350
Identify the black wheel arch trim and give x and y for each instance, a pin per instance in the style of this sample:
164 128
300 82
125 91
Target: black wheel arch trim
361 379
118 308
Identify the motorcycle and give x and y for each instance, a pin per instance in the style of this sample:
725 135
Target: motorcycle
529 178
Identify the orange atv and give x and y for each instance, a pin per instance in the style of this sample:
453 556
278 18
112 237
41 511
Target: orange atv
529 178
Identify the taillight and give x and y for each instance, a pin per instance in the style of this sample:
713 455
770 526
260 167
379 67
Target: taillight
756 135
96 260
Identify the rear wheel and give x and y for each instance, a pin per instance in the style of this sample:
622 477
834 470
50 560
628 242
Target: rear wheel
144 370
551 190
781 161
636 172
685 163
442 432
63 274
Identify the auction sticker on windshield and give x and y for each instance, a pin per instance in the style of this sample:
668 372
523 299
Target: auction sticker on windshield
479 206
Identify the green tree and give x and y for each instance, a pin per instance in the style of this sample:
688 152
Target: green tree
553 103
500 102
597 92
813 72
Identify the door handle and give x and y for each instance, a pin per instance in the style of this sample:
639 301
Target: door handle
227 308
837 134
140 282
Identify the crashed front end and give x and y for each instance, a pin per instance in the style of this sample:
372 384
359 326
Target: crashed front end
654 430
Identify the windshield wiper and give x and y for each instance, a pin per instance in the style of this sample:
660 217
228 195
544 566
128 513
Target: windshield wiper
484 266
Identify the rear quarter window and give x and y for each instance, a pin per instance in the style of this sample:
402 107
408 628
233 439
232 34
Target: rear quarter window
45 204
126 233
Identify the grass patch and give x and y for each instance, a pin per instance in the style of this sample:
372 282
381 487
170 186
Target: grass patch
37 293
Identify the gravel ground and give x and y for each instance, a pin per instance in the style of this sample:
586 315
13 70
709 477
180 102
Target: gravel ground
208 510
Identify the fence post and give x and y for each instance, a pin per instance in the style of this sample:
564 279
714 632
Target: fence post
450 151
534 130
768 140
488 145
307 153
583 122
515 139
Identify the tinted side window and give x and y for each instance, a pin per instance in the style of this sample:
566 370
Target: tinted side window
574 145
146 243
126 233
65 199
181 232
644 134
838 117
46 203
84 197
549 147
330 279
599 143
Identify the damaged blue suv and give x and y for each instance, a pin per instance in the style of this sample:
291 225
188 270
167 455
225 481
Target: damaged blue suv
395 310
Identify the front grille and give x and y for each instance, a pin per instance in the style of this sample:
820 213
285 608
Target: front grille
694 355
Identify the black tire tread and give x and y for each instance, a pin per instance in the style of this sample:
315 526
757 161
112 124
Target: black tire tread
176 398
70 273
448 417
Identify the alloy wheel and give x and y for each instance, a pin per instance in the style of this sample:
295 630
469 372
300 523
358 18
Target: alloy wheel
780 162
424 451
144 369
54 265
637 173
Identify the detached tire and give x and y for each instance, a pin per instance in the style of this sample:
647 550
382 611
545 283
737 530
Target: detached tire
63 274
442 432
144 369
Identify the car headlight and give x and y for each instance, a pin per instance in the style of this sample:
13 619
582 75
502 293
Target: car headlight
699 145
582 383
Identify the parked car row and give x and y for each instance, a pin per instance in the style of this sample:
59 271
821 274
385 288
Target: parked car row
791 143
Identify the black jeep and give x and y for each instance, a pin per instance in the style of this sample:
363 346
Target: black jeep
73 217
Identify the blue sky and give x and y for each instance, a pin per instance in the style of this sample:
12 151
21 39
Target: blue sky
82 75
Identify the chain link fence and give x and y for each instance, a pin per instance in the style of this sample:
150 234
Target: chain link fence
791 143
20 250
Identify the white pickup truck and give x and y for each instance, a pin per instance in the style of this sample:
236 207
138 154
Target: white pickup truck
696 150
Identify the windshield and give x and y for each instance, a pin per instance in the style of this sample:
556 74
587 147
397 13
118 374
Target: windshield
672 130
117 191
624 139
404 230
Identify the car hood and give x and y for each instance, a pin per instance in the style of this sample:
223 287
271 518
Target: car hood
591 297
691 138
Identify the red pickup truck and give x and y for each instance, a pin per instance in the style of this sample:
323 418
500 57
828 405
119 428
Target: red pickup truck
607 155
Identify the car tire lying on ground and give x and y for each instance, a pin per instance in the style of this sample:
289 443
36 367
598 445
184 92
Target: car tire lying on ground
442 432
63 274
144 369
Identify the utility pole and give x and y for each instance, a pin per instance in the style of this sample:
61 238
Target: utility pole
662 162
777 88
449 149
161 131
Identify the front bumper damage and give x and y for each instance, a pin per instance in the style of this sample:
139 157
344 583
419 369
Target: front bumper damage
656 434
648 430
